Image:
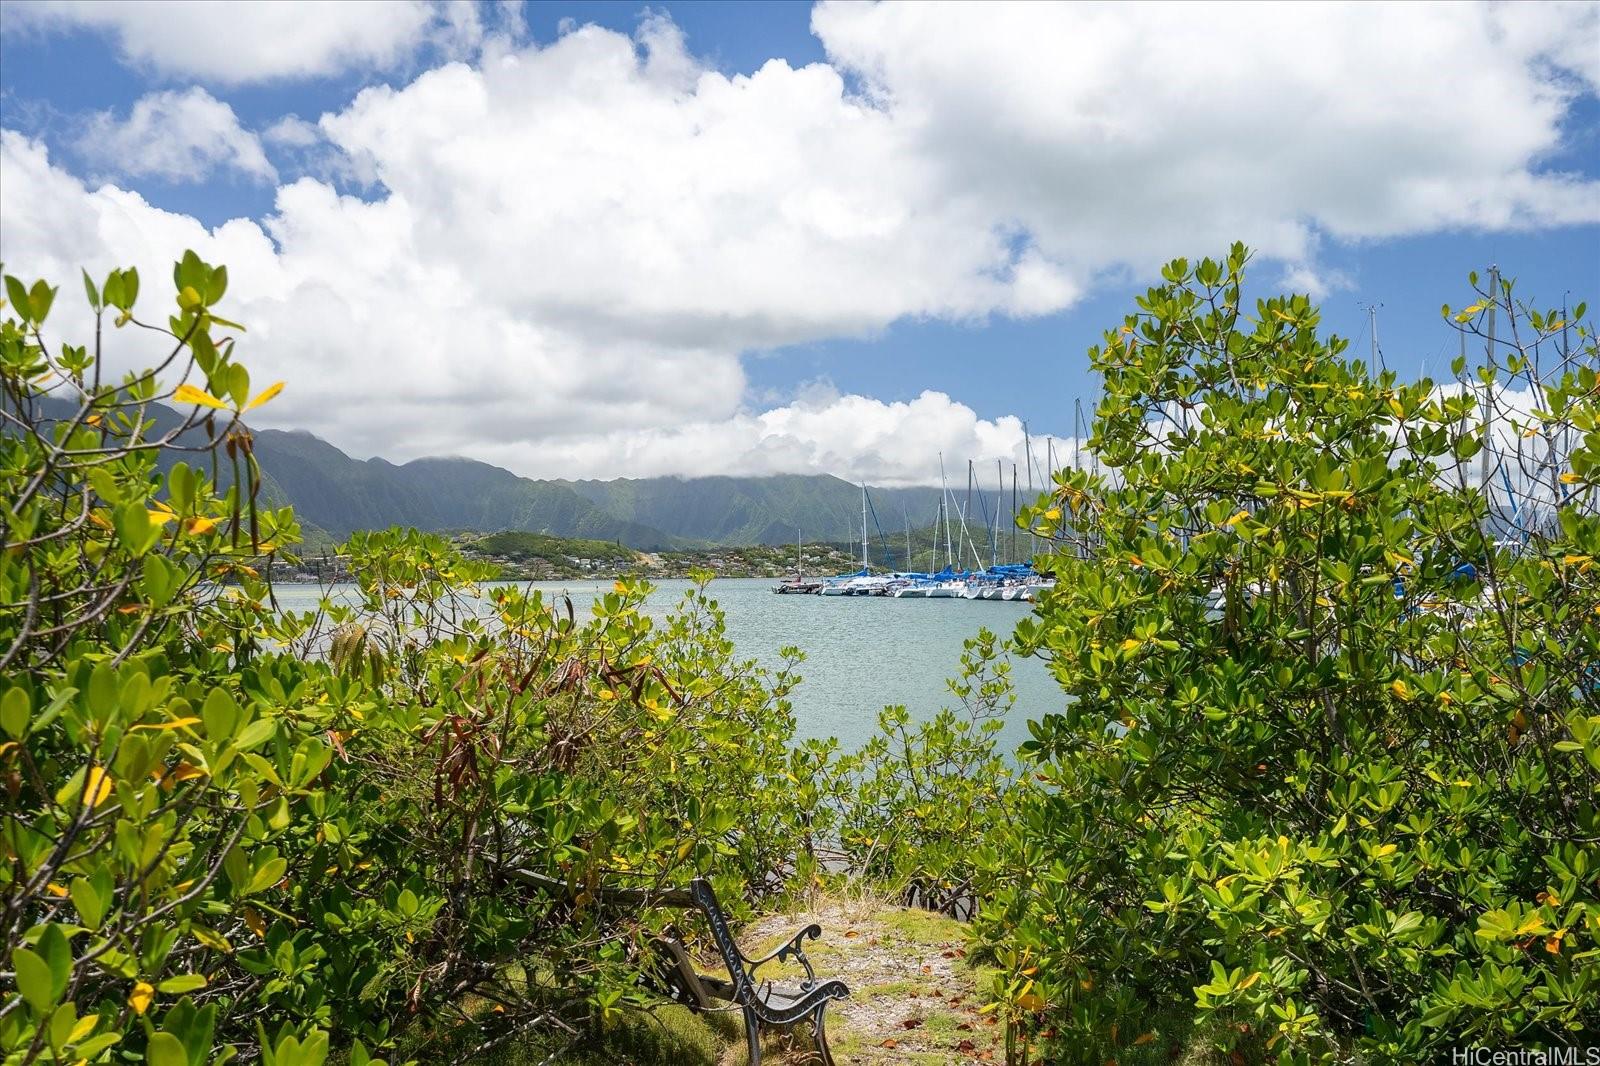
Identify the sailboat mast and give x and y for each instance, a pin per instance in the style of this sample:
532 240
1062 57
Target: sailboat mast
1013 512
967 509
865 564
944 493
1027 446
905 514
994 541
1077 431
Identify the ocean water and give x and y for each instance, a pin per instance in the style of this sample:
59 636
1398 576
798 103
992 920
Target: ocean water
862 653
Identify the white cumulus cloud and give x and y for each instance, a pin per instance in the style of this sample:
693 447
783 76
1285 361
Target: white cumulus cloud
1112 132
229 43
561 252
857 437
177 136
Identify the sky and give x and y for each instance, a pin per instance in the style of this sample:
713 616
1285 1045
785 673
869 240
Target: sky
607 240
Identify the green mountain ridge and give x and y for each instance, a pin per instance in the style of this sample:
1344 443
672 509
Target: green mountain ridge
335 494
340 494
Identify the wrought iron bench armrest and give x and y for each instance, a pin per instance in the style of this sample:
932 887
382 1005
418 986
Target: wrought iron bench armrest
791 947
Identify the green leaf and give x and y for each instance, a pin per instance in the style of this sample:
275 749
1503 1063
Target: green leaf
102 695
255 733
91 907
88 288
221 715
39 300
57 955
17 293
165 1049
112 290
14 711
96 1044
189 272
217 285
183 982
33 979
266 875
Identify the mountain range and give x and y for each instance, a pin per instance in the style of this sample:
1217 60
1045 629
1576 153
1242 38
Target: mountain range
334 494
339 494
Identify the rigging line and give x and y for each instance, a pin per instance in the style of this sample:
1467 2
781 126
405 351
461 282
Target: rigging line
987 525
882 539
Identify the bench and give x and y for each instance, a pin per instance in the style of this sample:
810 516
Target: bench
761 1002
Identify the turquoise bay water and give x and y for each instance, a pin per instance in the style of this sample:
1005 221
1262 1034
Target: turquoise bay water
862 653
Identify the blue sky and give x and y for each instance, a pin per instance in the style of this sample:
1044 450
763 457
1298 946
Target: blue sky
932 236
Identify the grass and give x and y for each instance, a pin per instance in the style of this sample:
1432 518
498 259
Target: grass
670 1036
914 999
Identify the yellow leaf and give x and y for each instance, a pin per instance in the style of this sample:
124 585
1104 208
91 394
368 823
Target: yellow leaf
252 918
141 996
1130 644
58 891
212 939
1569 478
96 787
176 723
1236 519
1400 690
198 397
1248 981
1053 515
1385 850
1144 1038
264 396
160 518
1533 923
84 1027
197 526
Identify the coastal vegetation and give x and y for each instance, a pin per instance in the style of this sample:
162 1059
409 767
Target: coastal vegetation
538 556
1324 788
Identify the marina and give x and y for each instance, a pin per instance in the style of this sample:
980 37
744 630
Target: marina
996 581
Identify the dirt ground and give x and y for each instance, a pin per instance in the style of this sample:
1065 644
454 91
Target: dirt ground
913 995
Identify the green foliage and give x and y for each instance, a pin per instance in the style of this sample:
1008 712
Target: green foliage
1313 780
522 547
229 829
911 809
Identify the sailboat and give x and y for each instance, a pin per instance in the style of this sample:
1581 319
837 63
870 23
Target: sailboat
863 582
798 585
